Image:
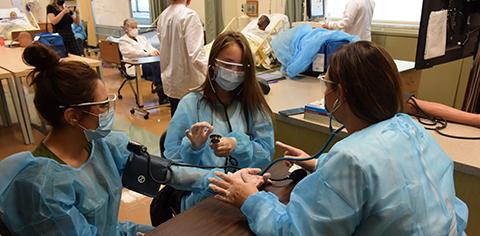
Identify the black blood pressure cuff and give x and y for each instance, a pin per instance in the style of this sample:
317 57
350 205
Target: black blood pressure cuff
144 173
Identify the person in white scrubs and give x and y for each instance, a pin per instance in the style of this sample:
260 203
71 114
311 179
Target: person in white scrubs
184 61
357 19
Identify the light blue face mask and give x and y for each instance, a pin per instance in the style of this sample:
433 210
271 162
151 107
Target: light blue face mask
105 123
227 79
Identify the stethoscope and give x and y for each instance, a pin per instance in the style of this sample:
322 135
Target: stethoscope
215 138
299 174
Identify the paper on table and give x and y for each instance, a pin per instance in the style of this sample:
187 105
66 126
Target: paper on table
436 43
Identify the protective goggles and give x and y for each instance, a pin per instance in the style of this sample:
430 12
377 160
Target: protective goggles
230 65
326 81
107 103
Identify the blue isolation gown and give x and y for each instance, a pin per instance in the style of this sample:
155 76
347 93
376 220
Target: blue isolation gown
255 140
391 178
39 196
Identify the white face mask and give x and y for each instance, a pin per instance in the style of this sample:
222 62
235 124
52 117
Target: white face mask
227 79
133 32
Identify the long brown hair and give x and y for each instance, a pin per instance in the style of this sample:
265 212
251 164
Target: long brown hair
370 80
249 92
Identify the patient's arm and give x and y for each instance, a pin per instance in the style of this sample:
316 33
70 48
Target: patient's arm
445 112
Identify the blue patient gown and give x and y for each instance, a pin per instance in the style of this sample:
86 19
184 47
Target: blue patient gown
391 178
255 141
39 196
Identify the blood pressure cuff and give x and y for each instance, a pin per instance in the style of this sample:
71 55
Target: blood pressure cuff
144 173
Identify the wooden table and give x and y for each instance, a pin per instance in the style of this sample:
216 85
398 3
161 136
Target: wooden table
12 61
4 114
138 62
213 217
16 99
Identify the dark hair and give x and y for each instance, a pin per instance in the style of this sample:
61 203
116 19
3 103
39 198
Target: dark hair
249 93
58 83
370 80
266 19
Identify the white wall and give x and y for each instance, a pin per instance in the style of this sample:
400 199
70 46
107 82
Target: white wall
41 14
385 10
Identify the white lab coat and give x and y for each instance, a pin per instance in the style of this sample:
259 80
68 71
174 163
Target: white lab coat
131 49
357 18
184 61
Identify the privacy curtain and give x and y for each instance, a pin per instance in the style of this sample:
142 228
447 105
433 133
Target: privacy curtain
156 7
294 10
213 19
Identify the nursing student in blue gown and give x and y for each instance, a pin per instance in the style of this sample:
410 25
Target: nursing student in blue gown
230 103
388 177
71 183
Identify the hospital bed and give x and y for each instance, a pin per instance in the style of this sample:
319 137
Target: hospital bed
260 41
25 22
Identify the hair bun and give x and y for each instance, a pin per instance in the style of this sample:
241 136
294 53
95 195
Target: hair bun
40 56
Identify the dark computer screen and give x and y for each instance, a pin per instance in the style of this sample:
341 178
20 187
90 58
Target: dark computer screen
315 8
463 30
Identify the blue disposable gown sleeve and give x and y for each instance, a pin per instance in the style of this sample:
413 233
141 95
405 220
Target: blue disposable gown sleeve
190 178
117 144
255 150
132 229
461 215
178 147
327 202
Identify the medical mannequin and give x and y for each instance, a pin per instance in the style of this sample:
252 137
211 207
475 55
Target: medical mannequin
13 23
184 62
387 177
448 113
24 39
357 19
263 22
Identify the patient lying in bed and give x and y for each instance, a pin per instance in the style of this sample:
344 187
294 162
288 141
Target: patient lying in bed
259 34
13 23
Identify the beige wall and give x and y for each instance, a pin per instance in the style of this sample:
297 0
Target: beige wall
444 83
5 4
199 7
43 10
232 8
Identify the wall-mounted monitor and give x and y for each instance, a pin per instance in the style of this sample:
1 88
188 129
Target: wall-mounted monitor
461 31
315 9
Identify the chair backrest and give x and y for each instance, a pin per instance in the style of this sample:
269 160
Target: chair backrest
3 229
110 52
162 143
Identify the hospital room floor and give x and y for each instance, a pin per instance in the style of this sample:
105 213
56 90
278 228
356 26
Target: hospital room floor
134 207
